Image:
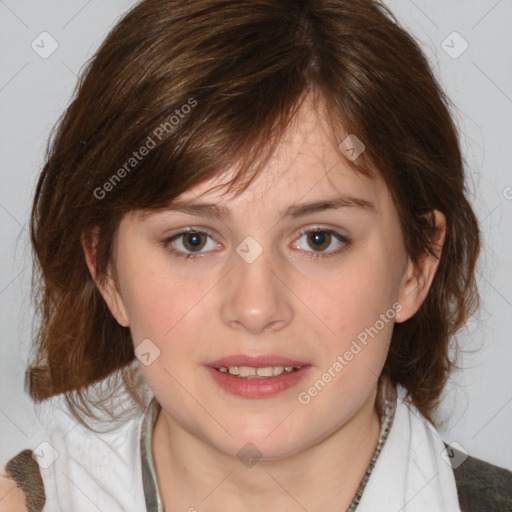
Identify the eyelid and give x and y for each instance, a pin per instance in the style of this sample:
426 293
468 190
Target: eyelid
190 229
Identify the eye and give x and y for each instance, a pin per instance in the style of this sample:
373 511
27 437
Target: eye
321 239
189 243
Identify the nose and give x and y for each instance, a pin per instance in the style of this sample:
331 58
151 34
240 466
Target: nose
255 296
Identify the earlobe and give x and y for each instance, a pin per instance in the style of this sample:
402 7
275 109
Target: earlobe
106 285
417 278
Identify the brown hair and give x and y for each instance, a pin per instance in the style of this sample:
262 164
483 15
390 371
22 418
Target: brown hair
207 84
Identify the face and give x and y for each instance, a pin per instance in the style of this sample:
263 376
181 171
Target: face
267 283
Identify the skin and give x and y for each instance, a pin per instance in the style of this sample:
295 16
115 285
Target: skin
285 302
12 498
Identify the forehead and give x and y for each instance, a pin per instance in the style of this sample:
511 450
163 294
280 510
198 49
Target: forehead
307 165
307 173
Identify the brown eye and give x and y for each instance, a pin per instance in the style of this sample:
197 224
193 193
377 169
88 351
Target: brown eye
321 243
190 243
319 240
194 241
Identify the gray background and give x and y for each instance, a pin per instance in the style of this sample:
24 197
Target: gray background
34 92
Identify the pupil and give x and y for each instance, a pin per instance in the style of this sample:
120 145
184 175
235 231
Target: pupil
320 240
193 241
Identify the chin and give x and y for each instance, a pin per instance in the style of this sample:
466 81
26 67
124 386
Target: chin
250 451
252 442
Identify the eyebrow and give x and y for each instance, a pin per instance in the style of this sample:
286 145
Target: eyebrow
293 211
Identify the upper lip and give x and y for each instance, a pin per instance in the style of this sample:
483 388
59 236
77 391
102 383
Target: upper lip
260 361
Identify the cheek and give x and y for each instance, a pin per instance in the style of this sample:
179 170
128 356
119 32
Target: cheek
159 301
161 311
353 297
151 308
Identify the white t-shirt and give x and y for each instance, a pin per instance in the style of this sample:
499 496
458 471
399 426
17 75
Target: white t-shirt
87 471
114 471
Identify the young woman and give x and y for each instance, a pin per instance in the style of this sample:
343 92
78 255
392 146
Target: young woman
253 250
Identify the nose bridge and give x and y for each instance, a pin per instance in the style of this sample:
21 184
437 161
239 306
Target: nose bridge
254 297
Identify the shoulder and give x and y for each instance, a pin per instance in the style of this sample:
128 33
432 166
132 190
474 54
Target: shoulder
12 498
21 485
480 485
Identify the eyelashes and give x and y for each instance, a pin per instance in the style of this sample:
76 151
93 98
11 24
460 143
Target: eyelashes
192 240
189 236
319 237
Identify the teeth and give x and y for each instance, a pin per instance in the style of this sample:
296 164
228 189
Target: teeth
245 371
278 370
268 371
249 372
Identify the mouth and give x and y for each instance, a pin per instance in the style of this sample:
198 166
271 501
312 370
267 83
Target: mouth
257 377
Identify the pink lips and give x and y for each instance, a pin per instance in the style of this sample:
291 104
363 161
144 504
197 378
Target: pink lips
257 387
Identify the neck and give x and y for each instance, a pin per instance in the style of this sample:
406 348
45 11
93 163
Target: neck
192 473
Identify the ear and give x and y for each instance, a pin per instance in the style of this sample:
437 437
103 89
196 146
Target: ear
417 279
106 285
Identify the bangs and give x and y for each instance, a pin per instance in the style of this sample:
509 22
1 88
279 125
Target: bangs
196 151
188 112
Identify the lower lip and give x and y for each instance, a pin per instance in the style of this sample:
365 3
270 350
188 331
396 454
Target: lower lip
260 387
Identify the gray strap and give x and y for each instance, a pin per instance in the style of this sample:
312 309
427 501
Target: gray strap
386 404
151 492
